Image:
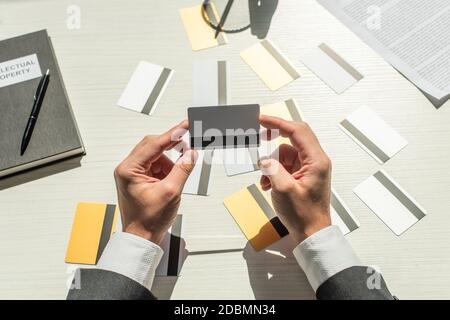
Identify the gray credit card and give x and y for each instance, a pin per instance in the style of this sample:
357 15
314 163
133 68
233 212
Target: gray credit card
224 126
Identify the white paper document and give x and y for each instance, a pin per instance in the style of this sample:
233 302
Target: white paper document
372 134
389 202
145 88
331 68
412 35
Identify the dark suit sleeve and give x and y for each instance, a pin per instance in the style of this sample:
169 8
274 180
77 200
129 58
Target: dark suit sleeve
96 284
355 283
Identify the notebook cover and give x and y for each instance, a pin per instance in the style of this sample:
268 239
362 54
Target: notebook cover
56 131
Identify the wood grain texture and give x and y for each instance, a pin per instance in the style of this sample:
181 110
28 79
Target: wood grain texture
96 63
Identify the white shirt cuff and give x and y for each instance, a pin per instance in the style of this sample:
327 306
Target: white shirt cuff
325 254
131 256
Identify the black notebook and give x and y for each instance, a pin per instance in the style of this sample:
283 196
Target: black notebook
23 60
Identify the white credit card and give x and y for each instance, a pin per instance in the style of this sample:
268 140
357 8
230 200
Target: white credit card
198 181
209 83
331 68
175 252
341 215
240 160
19 70
145 88
372 134
389 202
209 87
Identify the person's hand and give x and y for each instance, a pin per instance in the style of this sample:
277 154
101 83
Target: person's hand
149 185
300 180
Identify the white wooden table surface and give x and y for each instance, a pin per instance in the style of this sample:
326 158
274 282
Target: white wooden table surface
36 211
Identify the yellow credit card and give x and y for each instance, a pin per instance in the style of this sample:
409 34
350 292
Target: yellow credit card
197 22
92 228
287 110
271 66
253 211
251 207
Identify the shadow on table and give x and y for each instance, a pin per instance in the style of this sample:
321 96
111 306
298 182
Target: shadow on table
437 103
41 172
163 286
261 13
275 274
172 262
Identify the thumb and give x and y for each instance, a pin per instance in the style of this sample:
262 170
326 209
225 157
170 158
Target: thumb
182 169
280 179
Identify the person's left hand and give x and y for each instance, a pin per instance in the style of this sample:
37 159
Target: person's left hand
149 184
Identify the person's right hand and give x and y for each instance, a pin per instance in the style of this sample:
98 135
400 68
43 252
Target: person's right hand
300 180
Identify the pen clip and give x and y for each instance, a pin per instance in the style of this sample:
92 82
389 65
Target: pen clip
41 82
